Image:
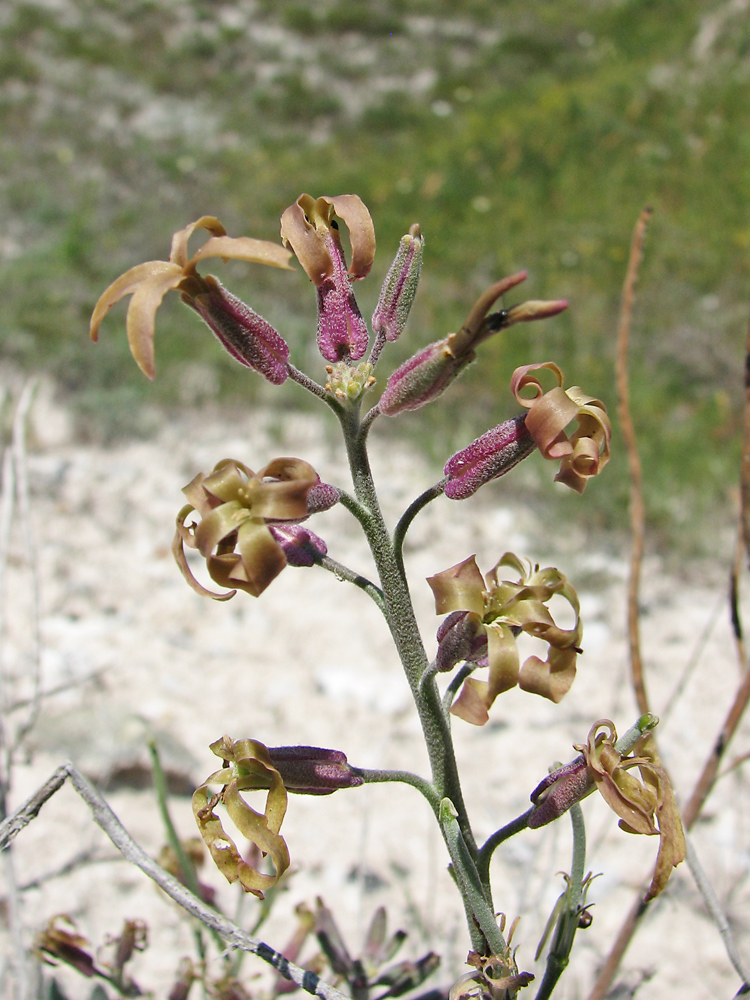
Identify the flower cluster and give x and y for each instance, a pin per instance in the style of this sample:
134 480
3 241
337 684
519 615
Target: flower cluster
486 618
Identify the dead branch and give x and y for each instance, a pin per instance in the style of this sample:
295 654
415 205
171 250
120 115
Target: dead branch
105 818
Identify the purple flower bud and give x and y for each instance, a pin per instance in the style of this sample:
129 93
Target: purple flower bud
301 546
313 770
489 457
342 332
399 287
559 791
247 336
321 497
460 636
422 378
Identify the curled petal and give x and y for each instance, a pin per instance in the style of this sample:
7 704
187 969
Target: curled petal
477 697
126 284
300 232
551 678
353 211
262 556
522 378
243 248
459 588
250 768
183 536
141 317
178 253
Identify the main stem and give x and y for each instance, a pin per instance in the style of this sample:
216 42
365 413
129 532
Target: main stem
402 623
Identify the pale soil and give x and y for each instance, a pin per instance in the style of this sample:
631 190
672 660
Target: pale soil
310 662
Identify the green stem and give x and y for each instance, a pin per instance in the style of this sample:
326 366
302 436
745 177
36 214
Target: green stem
495 840
342 572
399 614
567 923
469 883
408 516
373 776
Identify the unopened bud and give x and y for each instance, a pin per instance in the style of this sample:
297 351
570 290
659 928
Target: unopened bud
489 457
301 546
559 791
461 636
313 770
399 287
247 336
422 378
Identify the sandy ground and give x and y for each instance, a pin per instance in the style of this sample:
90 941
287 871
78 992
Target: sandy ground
138 654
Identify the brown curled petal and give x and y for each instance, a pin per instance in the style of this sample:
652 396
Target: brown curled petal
197 496
287 469
458 588
546 422
180 539
217 524
280 501
226 481
353 211
142 314
243 248
471 704
551 678
126 284
178 253
502 656
262 556
309 246
522 378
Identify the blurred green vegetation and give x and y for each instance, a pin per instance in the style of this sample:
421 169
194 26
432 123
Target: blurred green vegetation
520 134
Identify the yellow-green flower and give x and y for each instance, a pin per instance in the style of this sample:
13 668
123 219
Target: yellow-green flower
502 609
235 505
647 806
247 766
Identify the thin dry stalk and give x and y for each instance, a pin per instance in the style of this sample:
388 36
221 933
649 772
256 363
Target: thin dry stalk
734 595
745 461
20 463
736 711
103 816
637 510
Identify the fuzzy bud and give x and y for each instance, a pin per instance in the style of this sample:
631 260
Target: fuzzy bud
422 378
489 457
248 337
399 287
301 546
313 770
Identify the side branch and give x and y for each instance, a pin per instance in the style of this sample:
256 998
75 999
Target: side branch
103 816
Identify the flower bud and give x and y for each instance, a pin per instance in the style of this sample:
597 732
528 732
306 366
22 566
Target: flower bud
489 457
313 770
247 336
460 637
562 788
301 546
347 382
399 287
422 378
320 497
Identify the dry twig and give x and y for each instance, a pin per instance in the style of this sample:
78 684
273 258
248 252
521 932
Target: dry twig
103 816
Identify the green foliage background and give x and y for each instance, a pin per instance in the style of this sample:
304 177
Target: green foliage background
520 134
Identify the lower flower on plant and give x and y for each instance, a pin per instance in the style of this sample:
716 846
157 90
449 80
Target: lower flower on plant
251 766
647 806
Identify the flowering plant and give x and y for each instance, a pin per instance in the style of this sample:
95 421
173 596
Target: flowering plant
248 529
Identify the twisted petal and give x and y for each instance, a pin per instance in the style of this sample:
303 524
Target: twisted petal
303 226
459 588
184 536
353 211
243 248
178 253
476 697
250 768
